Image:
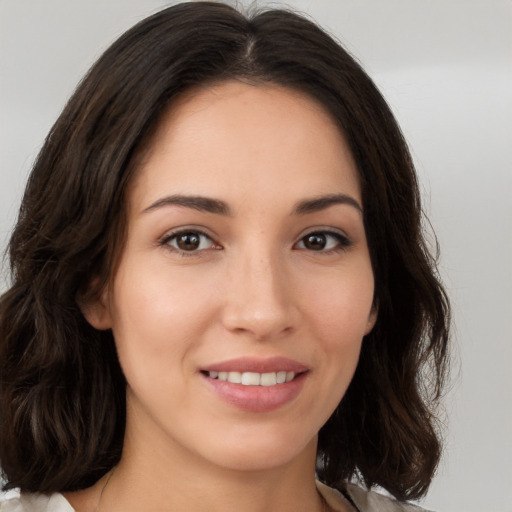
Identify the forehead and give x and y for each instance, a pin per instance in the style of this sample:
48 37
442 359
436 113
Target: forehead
233 138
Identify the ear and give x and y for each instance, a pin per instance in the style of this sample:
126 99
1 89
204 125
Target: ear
97 310
372 318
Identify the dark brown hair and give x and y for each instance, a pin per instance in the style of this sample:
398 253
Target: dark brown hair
62 392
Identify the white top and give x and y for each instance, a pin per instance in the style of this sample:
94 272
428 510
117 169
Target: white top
36 503
365 501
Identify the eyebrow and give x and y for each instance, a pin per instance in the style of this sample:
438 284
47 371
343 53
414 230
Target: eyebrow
323 202
203 204
216 206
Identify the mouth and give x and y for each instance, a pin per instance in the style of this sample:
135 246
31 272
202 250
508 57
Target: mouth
253 378
256 385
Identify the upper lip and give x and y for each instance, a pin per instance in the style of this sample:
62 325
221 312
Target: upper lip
257 365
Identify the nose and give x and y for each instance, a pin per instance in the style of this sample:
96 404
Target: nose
259 299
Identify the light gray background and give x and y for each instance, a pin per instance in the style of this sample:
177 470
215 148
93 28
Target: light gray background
446 69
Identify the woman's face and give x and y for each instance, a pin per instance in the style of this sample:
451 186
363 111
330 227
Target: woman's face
245 259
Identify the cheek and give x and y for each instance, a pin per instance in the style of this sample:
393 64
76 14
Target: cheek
339 310
339 322
341 307
151 294
156 316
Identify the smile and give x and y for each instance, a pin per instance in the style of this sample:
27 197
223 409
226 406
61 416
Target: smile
254 378
254 384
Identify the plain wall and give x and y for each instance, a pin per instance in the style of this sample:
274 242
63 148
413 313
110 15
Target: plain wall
446 70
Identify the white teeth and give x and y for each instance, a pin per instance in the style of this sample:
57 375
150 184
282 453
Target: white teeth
268 379
253 378
235 377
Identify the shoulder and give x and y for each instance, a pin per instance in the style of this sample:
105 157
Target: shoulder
365 501
27 502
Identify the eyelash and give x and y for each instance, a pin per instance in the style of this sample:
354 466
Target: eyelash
169 237
342 241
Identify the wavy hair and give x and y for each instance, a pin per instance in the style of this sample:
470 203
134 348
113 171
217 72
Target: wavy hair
62 391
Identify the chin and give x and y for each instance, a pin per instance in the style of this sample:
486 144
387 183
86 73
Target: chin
265 453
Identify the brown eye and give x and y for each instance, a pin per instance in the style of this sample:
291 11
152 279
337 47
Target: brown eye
315 241
323 241
189 241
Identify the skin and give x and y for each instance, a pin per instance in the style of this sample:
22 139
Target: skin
253 288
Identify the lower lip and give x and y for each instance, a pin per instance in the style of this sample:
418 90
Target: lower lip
257 398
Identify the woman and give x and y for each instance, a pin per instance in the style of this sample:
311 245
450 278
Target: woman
221 294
